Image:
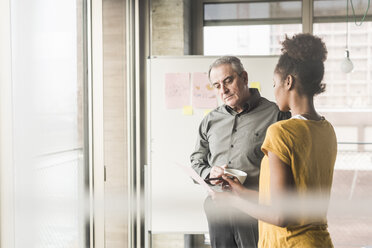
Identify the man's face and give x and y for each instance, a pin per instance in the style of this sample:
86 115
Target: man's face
231 87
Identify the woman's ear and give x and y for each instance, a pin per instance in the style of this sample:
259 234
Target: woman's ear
289 82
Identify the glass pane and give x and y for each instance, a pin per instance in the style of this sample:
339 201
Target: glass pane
246 40
338 8
225 11
352 90
48 98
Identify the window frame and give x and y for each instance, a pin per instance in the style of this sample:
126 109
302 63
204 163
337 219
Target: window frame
199 23
307 19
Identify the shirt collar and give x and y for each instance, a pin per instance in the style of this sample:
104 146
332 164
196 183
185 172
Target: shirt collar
249 105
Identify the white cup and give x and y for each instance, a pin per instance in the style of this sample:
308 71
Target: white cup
240 175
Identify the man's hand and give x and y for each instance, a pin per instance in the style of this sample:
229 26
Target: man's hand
217 171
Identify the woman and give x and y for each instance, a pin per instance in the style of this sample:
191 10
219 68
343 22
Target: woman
300 153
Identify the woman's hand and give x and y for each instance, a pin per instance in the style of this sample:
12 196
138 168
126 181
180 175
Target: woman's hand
234 185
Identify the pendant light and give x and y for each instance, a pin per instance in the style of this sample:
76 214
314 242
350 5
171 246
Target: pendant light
346 64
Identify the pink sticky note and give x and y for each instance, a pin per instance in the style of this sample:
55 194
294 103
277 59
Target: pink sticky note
203 95
177 90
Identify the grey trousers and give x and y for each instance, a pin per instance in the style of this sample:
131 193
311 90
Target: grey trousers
230 228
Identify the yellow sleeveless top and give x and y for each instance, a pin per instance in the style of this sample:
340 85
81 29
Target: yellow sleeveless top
309 148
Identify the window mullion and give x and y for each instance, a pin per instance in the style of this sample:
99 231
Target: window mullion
241 22
307 16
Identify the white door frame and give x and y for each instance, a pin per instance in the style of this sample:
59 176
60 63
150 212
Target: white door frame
95 98
6 131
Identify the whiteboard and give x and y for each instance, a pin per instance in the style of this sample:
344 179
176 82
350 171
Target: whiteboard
175 203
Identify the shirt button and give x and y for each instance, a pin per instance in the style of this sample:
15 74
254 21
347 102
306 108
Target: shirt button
232 145
235 130
229 162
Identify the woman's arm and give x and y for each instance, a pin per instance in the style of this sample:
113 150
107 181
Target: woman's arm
281 188
239 190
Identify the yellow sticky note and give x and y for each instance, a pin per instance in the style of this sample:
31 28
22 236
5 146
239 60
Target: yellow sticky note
256 85
187 110
207 111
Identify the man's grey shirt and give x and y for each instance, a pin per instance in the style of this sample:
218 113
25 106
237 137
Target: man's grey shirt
235 139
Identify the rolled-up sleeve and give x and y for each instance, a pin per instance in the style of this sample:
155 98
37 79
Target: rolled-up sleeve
199 158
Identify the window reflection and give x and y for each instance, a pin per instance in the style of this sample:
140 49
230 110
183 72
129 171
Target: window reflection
48 86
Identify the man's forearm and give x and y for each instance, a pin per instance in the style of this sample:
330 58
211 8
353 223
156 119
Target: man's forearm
202 169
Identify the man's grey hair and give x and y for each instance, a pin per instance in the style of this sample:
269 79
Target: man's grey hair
235 63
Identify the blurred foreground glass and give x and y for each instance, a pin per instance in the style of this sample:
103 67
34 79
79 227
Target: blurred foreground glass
49 117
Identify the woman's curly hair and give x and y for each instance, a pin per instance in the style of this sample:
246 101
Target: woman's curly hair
303 57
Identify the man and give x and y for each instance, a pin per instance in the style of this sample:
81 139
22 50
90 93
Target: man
231 136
